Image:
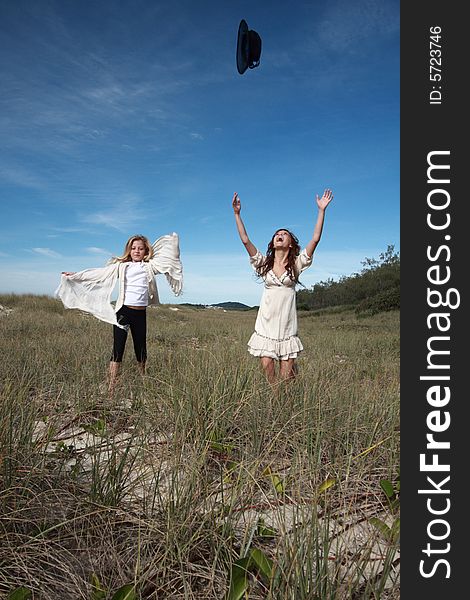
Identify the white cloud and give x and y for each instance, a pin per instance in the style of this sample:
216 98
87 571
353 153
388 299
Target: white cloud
98 251
125 214
21 177
47 252
71 229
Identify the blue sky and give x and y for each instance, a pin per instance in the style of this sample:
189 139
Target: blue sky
123 117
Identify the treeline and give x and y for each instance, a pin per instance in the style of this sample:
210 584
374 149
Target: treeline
375 289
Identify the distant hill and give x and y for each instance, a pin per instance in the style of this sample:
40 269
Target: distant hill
222 305
231 306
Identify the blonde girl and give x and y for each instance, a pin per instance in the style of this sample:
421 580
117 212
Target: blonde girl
90 290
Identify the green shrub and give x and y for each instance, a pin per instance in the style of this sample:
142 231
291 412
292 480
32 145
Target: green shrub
379 278
383 301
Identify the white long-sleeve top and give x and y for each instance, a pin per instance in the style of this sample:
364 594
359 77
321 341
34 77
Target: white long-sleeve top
136 291
91 290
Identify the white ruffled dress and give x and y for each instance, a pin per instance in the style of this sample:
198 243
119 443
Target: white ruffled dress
275 333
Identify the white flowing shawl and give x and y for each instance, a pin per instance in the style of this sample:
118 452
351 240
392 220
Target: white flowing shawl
91 290
166 259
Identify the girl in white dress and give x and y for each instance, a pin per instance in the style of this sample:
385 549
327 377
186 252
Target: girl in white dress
275 337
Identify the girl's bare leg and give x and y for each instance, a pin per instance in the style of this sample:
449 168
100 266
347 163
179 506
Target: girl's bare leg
287 369
113 374
268 368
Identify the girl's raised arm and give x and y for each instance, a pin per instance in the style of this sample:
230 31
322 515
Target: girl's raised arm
250 247
322 203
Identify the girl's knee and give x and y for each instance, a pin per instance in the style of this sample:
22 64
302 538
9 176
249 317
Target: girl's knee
288 369
267 363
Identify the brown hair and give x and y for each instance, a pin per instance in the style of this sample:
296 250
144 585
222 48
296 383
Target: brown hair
294 252
126 256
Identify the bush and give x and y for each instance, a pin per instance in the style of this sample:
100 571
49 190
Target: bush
371 287
381 302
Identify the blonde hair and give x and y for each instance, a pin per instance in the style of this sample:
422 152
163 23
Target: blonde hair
126 256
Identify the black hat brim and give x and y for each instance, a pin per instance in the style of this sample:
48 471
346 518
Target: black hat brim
242 58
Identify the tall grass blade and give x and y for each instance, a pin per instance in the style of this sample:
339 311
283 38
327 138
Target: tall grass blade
20 593
126 592
326 485
97 590
238 579
264 564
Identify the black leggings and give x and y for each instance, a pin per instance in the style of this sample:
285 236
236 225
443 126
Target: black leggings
136 321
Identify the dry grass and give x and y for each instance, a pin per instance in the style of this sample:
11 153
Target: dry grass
177 477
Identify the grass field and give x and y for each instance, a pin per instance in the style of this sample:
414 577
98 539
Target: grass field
199 480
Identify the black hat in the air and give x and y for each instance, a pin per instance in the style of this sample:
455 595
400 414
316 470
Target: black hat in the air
248 48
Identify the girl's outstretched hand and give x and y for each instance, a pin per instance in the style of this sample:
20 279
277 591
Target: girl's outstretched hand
237 206
327 197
